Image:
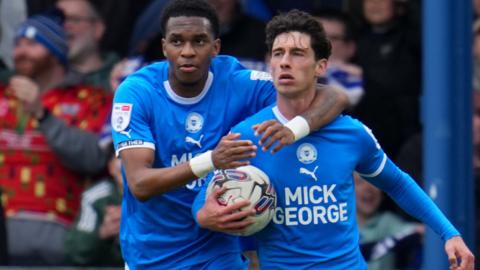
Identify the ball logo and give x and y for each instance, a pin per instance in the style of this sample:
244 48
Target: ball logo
194 122
246 183
306 153
267 201
230 174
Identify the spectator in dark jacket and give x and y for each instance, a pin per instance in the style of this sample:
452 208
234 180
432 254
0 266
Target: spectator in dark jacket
389 52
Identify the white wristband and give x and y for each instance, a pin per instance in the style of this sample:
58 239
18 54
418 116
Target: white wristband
299 126
202 164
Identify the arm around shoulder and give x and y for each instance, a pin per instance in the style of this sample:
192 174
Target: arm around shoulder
329 102
327 105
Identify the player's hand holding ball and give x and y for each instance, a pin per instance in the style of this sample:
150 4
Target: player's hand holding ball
239 201
228 219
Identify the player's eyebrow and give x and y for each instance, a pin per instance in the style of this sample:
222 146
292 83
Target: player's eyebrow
297 49
175 35
293 50
180 35
278 49
202 36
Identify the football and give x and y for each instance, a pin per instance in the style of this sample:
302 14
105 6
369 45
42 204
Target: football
251 183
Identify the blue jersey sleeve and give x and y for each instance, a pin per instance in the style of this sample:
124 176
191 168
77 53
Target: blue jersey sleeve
256 88
200 200
379 170
130 117
373 158
411 198
201 197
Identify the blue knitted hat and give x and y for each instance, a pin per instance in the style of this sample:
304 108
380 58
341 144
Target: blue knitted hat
48 30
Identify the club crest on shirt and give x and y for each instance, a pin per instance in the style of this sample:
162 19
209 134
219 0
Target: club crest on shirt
194 122
121 114
306 153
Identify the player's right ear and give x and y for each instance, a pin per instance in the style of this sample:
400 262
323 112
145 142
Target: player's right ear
321 67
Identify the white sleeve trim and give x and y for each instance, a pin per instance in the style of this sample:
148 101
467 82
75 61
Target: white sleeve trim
379 170
148 145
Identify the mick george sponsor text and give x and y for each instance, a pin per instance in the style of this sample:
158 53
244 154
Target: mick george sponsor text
311 204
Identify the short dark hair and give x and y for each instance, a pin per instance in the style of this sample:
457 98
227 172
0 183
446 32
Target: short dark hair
190 8
296 20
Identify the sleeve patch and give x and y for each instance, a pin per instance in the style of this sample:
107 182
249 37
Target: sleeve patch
130 143
260 76
133 144
121 114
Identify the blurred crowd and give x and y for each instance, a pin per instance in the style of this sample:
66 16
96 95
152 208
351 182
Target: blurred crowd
61 61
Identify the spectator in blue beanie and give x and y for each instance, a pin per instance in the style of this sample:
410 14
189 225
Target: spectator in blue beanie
49 143
48 30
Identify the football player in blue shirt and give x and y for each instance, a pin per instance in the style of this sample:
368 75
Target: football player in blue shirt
165 119
314 225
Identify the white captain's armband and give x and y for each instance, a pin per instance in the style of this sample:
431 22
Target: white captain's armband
299 126
202 164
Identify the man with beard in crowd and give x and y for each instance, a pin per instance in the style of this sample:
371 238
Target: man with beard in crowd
85 29
48 143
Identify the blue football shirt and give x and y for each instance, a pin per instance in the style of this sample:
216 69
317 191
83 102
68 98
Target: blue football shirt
161 233
314 225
